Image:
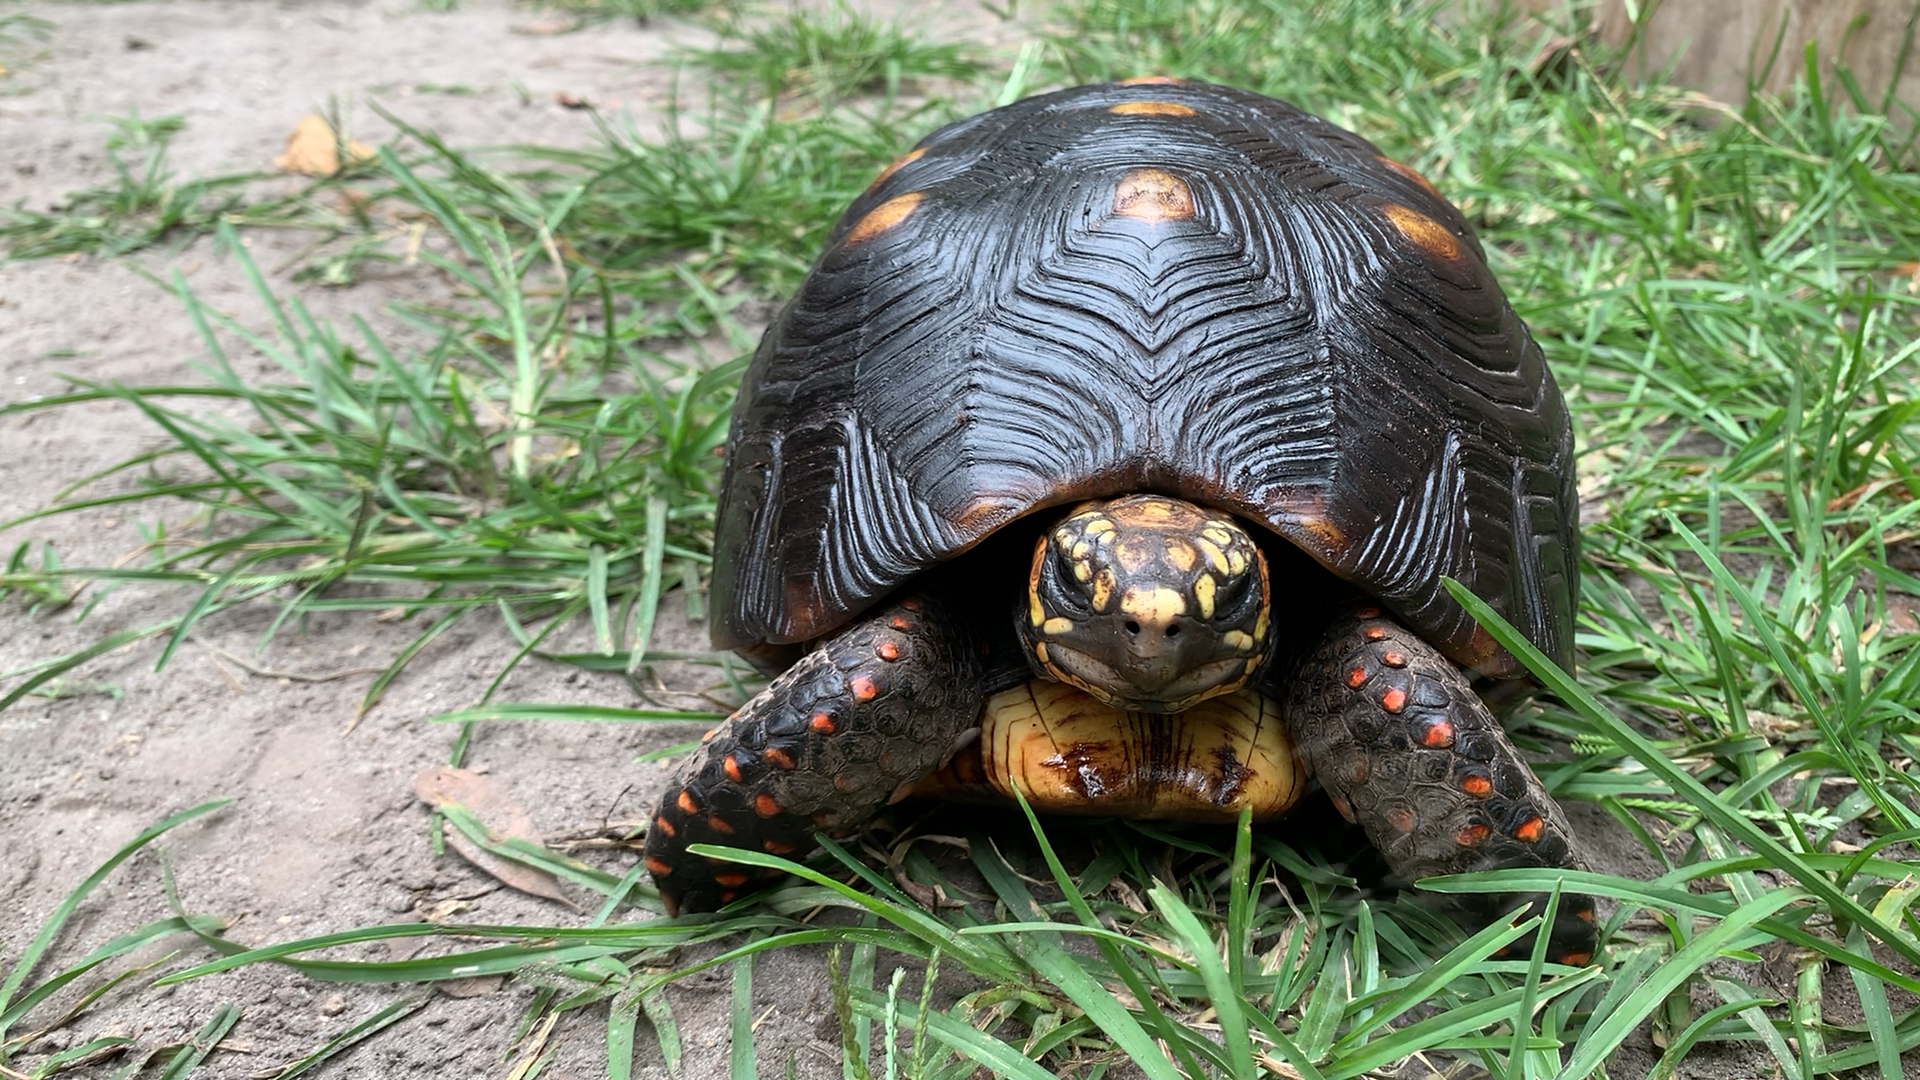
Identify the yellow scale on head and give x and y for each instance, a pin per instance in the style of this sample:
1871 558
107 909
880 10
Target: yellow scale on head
1203 590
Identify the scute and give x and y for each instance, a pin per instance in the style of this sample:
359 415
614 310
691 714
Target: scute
1317 346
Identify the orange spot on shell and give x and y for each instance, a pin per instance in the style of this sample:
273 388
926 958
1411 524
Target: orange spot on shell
1152 80
729 896
711 732
885 216
1438 736
1478 786
775 847
1401 819
685 802
732 880
766 805
899 623
1153 195
1412 174
1577 959
1151 108
1375 633
1340 804
888 650
778 758
1393 659
732 769
658 867
911 604
1585 914
1357 677
898 163
1530 830
1394 700
664 826
862 688
720 825
1471 835
1368 613
1427 234
822 723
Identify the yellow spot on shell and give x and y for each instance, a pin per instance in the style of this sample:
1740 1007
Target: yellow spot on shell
1157 606
1035 612
1153 195
1238 640
885 216
1219 534
1151 108
1082 571
1097 526
1081 550
1429 235
1236 562
1056 626
899 163
1203 595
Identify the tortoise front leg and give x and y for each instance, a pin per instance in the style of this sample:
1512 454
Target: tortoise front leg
1397 737
824 746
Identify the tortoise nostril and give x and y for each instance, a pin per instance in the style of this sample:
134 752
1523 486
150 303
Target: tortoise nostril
1133 628
1173 629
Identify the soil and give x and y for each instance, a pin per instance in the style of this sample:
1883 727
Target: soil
325 832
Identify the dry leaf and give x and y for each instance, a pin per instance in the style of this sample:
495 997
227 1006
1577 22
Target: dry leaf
443 786
314 149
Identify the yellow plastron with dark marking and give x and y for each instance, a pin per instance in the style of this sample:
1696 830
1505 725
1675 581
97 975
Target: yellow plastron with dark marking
1070 754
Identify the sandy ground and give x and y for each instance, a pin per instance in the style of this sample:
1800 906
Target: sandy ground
325 833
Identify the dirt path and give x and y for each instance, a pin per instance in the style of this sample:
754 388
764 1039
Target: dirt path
325 833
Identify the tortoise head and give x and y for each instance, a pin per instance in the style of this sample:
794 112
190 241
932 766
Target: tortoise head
1147 603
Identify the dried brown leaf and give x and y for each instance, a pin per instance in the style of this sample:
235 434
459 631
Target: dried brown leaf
314 149
443 786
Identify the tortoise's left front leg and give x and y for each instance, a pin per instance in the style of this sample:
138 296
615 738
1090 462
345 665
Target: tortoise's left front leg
832 740
1397 737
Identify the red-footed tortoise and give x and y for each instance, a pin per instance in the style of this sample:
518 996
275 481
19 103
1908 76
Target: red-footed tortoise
1115 449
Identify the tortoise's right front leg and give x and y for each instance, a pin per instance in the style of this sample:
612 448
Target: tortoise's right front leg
827 744
1397 737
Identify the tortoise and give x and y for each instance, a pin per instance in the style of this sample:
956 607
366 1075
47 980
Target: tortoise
1114 450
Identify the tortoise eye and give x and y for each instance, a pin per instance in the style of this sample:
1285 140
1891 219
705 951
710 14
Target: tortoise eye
1063 569
1234 599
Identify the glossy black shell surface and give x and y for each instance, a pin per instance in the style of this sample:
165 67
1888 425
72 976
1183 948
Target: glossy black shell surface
1311 340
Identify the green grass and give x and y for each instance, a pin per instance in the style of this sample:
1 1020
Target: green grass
831 56
142 203
1731 307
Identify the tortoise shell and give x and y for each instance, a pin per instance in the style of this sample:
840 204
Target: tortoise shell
1163 287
